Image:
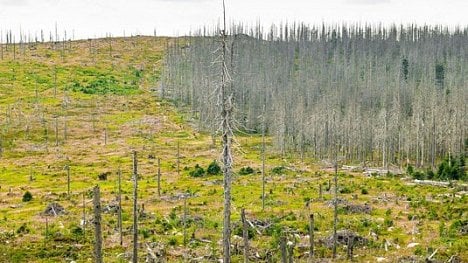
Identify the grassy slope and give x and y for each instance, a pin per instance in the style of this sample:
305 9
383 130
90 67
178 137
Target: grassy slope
138 120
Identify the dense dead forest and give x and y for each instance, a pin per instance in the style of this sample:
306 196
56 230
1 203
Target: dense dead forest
384 95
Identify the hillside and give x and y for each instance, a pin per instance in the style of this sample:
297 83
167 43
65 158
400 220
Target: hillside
88 104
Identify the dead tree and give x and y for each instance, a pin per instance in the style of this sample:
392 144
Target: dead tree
56 131
55 81
320 192
84 218
311 237
159 177
335 205
226 110
283 249
350 248
105 135
67 168
185 221
135 208
263 159
119 215
178 158
97 225
245 236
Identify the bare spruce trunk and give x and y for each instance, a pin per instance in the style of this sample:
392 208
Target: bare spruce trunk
335 210
56 131
97 225
105 135
68 180
245 235
350 248
159 177
263 158
178 158
185 221
135 208
283 249
119 220
311 238
226 154
84 217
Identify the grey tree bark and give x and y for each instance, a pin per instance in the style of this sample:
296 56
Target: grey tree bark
97 225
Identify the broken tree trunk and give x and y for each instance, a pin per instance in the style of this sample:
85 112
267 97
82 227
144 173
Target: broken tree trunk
159 177
119 215
245 235
178 158
135 208
97 225
84 218
283 249
67 167
185 221
311 237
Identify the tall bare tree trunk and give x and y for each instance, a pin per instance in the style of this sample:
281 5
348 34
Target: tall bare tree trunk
135 208
226 109
97 225
263 159
335 178
335 209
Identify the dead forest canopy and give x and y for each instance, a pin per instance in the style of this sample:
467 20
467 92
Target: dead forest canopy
383 95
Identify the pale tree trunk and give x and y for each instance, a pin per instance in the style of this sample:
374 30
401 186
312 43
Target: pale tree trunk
135 208
67 168
226 109
119 219
311 238
263 159
245 235
97 225
84 218
159 177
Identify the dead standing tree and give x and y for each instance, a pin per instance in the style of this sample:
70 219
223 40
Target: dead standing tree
225 100
135 208
97 225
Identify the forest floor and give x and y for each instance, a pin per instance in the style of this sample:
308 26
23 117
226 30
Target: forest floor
50 120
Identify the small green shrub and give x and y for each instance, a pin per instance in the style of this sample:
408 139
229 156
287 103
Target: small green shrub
172 241
452 168
419 175
410 170
388 222
345 190
246 170
104 85
197 171
23 229
364 191
213 168
278 170
27 196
